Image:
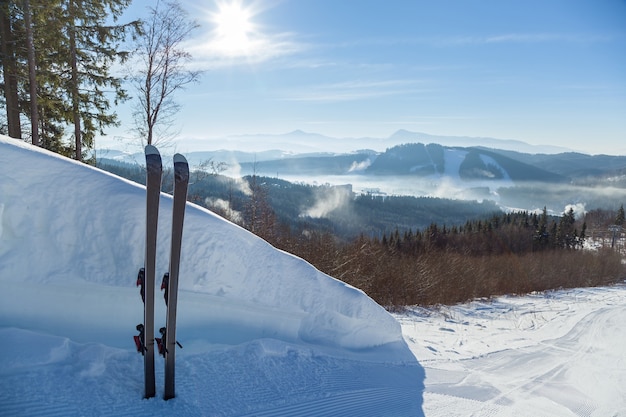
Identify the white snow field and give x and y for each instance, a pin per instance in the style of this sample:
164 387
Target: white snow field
264 333
562 353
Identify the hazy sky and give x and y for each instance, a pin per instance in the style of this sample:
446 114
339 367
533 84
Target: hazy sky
540 71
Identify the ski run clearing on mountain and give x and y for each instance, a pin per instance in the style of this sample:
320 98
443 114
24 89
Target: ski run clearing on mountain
264 333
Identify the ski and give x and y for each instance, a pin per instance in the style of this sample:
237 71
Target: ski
170 279
154 170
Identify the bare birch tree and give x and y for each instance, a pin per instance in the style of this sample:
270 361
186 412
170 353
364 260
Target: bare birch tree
163 70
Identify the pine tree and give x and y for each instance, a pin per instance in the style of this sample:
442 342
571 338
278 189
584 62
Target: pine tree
9 63
583 235
566 235
93 47
32 72
62 59
541 236
619 220
44 97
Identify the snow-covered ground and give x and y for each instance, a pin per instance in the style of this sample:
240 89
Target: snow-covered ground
562 353
264 333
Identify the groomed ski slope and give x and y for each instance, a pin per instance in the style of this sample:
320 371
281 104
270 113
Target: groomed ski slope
264 333
556 354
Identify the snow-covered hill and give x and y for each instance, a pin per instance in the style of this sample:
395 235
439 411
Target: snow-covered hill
264 333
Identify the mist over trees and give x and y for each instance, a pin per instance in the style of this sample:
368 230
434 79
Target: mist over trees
444 262
407 250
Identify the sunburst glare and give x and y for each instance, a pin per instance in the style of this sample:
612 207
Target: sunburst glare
234 28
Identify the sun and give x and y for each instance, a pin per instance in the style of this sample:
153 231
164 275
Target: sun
237 35
233 28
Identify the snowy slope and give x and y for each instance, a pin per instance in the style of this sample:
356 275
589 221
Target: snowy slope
264 332
543 355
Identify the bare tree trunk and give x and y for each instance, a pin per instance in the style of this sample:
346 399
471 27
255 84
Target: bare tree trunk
74 84
32 78
9 72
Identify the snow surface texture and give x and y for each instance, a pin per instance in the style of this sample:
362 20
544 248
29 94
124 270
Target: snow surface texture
561 353
264 333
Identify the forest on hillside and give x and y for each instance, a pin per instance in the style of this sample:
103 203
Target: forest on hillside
409 250
326 208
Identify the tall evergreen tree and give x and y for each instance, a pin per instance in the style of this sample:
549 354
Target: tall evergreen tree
62 63
32 72
93 47
52 105
8 61
541 235
566 235
619 219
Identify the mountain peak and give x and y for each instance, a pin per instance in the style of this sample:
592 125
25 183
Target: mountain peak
403 133
299 132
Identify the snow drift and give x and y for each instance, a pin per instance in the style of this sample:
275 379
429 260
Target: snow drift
71 242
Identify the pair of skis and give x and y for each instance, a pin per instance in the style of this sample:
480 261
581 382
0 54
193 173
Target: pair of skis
145 340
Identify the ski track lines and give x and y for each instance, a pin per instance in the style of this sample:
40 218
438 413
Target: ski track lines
350 391
102 380
552 375
443 405
277 380
373 402
298 383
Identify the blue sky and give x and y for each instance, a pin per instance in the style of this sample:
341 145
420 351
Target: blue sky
540 71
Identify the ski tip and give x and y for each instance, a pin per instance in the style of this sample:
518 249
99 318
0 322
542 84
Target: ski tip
151 150
179 159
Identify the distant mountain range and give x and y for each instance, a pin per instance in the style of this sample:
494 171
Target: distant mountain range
418 164
298 142
405 136
437 161
512 180
404 153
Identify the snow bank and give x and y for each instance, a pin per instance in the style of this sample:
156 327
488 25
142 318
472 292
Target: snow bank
264 332
83 225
